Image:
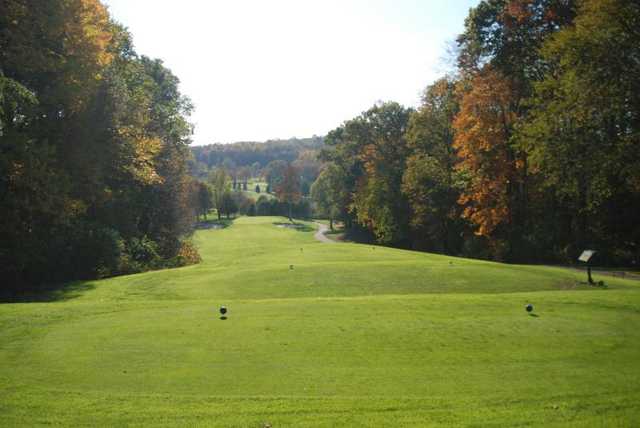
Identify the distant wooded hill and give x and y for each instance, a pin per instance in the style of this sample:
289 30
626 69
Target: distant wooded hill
250 154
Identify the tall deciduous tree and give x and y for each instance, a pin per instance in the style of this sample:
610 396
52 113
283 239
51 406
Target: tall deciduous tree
484 127
288 190
93 146
204 198
328 192
376 139
430 182
220 187
583 133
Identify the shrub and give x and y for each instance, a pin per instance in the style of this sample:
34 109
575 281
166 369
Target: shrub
187 255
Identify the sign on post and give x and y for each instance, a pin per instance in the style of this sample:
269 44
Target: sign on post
586 257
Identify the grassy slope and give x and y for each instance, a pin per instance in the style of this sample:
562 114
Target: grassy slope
351 336
251 187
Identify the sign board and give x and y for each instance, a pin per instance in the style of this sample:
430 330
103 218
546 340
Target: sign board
586 255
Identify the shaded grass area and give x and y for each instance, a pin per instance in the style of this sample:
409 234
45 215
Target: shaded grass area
214 223
352 336
298 226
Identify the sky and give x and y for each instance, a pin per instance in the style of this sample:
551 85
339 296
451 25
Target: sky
267 69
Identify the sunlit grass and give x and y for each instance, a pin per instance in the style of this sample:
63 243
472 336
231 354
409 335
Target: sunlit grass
324 335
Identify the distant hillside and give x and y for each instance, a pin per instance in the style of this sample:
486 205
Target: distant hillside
250 154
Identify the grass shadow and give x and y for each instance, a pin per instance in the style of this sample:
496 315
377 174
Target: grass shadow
49 293
214 224
534 315
300 227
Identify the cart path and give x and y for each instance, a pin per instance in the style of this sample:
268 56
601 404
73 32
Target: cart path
320 236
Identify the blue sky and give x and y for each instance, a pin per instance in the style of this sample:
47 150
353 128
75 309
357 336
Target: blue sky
259 70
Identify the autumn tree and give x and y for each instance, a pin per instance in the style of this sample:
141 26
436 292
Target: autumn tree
94 146
371 151
508 34
494 199
288 190
501 45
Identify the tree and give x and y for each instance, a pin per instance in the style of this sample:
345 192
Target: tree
583 133
288 191
204 198
244 173
508 34
501 42
430 182
263 206
378 203
483 128
229 205
220 186
94 146
309 166
274 174
328 193
243 203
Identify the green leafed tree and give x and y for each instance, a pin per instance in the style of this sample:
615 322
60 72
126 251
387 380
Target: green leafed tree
93 142
583 133
219 181
328 192
430 182
204 197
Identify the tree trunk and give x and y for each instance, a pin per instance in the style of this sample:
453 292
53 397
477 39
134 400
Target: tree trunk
331 223
290 219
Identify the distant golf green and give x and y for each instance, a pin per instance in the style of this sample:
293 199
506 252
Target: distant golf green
251 190
324 335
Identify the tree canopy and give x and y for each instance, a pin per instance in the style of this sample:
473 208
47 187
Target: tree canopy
93 142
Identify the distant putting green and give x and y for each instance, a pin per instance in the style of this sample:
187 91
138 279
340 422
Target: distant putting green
251 193
324 335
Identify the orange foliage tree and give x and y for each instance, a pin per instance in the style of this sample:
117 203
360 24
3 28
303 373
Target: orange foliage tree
483 130
289 189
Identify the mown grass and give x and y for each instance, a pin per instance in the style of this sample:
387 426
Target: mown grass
251 193
353 335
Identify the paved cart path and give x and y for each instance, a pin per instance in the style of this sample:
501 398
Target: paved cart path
320 236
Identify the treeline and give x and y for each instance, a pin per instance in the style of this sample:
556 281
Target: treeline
530 151
283 194
93 149
252 155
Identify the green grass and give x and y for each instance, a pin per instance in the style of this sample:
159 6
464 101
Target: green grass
250 192
353 335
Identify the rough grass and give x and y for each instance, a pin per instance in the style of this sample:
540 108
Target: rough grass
353 335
